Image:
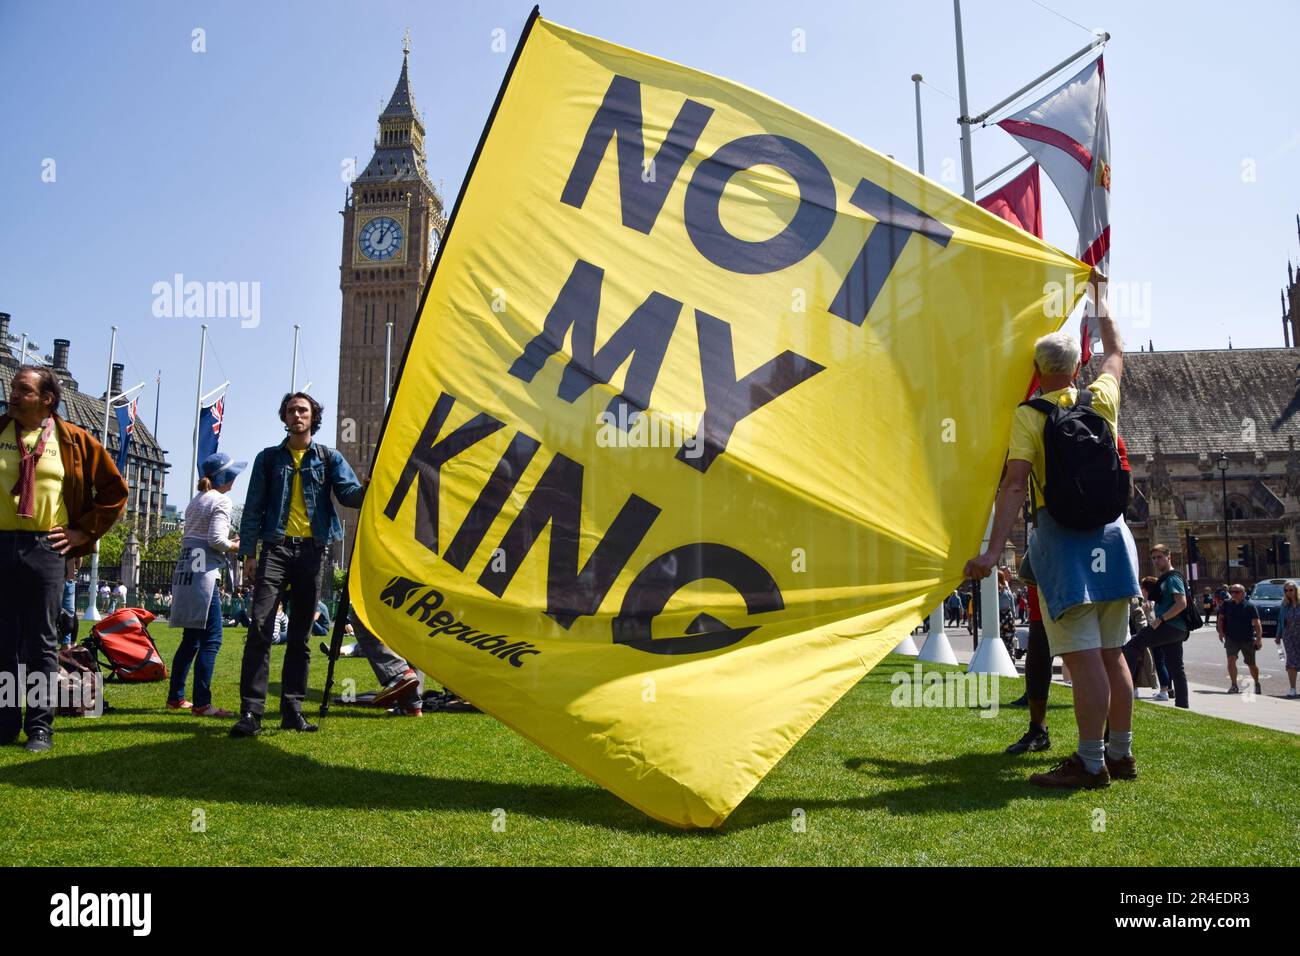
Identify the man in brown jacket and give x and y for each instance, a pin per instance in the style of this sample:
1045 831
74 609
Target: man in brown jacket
59 493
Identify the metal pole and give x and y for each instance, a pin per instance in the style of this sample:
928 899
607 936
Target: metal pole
22 351
1032 83
198 408
920 144
293 376
1227 559
157 401
967 163
388 361
92 612
1009 166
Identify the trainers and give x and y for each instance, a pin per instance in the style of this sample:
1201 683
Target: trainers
1160 696
210 711
1021 701
181 704
1233 689
397 688
38 742
1258 689
1071 774
1292 694
1125 768
1034 740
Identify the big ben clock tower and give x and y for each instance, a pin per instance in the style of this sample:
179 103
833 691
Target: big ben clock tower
392 222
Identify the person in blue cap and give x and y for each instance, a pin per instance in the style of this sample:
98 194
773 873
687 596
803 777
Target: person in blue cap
196 584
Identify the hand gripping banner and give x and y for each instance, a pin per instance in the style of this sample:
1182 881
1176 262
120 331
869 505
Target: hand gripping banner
702 412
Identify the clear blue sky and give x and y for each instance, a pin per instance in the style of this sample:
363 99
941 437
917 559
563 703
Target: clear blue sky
226 165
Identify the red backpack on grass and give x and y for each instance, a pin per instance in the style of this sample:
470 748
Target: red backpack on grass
129 652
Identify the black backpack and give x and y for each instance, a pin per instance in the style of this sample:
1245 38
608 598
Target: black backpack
1191 615
1087 486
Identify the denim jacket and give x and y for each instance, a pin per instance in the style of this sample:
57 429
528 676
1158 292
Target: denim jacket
266 506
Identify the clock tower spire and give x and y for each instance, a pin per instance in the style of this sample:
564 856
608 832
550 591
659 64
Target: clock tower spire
392 221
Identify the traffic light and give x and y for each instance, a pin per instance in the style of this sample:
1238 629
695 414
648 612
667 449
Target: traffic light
1284 551
1272 556
1193 549
1243 554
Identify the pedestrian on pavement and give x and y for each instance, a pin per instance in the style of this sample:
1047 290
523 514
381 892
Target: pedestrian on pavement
196 605
1240 632
1167 627
1084 558
289 509
1288 633
59 493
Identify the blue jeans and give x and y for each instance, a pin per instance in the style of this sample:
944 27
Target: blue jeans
1162 672
199 646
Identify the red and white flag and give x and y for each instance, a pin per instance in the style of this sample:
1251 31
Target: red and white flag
1068 133
1020 202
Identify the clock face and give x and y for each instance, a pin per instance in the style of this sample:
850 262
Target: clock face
380 238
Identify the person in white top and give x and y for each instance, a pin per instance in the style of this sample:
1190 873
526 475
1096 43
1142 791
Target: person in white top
196 591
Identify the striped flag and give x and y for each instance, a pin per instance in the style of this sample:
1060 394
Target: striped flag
1068 133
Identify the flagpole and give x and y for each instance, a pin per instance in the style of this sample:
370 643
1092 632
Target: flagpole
157 401
920 144
293 375
967 163
1007 168
388 362
198 407
92 612
1099 41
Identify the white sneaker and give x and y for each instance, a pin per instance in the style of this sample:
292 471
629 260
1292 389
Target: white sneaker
1161 696
1292 693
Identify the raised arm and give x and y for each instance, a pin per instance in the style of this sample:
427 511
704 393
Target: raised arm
1111 343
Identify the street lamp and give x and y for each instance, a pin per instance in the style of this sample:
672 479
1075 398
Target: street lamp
1222 465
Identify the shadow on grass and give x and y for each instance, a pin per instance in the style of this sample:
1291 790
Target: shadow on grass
967 782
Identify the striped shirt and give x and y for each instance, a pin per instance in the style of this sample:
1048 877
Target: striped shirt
207 521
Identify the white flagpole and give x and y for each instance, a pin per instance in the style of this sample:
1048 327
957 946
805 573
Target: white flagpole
967 163
1099 41
920 143
198 410
388 363
293 375
92 612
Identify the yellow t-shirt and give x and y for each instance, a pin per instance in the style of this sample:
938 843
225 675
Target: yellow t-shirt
1027 425
49 510
299 525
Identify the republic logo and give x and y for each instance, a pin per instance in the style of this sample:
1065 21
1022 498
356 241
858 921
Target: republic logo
399 591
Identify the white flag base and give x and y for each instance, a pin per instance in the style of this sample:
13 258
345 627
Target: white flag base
906 647
937 649
991 657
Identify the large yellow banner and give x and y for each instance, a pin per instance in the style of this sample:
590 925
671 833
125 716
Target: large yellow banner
703 411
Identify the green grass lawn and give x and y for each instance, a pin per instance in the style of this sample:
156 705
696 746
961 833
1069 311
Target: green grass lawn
877 784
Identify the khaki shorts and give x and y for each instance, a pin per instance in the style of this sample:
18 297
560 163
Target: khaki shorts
1086 627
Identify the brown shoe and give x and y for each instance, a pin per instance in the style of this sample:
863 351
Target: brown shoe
1125 768
1071 774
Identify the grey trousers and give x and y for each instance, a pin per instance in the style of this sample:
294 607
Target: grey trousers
387 665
